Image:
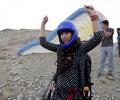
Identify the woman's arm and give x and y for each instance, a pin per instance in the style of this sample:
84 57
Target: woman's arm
43 42
94 17
96 39
92 43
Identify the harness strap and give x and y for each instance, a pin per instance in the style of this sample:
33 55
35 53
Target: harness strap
71 93
70 97
85 94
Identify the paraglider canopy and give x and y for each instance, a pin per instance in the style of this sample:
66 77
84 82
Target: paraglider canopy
81 21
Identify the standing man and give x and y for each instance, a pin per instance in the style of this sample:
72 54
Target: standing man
118 31
118 38
107 49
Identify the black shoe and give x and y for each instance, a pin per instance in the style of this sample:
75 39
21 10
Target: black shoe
99 75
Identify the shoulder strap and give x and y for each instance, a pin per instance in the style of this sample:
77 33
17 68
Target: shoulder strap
77 62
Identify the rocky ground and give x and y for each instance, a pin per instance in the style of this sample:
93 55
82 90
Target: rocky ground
26 77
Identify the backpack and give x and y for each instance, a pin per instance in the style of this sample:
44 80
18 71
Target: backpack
87 72
88 64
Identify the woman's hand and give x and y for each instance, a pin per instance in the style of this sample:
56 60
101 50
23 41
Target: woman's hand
52 85
45 20
94 17
42 29
90 10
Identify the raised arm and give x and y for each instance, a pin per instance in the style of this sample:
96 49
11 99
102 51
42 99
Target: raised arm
94 17
43 42
96 39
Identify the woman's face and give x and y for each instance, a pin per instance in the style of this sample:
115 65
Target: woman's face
65 36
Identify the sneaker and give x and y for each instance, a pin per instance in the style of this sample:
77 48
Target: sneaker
110 76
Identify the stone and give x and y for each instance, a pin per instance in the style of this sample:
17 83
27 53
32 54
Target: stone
19 97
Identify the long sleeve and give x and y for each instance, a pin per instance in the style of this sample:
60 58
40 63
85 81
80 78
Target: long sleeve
48 45
92 43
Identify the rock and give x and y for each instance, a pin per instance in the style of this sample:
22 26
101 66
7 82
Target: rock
100 87
13 72
21 61
113 98
19 97
23 89
8 94
29 98
16 79
36 79
106 95
30 84
39 91
4 49
3 57
98 96
37 98
10 98
118 90
3 85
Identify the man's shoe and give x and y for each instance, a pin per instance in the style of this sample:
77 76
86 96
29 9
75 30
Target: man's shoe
99 75
110 76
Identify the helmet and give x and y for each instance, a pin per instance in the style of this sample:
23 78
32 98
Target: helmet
67 26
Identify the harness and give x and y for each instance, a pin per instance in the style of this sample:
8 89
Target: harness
84 83
84 90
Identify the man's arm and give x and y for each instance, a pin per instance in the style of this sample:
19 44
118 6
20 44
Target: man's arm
109 32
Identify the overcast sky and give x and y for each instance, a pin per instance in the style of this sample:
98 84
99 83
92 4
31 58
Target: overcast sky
19 14
28 14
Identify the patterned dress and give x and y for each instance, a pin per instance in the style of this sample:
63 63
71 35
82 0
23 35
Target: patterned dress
69 78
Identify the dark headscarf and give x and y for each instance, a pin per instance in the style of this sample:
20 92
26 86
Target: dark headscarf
66 57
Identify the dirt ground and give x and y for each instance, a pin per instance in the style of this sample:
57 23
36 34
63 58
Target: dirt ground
26 77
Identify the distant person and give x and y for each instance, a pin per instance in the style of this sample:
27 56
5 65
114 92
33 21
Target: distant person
118 38
118 31
107 49
71 82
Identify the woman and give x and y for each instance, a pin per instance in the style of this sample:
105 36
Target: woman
70 81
